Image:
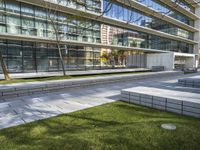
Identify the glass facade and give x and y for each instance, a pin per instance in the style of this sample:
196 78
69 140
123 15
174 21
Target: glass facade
184 5
29 20
162 8
22 56
84 5
34 21
131 38
134 16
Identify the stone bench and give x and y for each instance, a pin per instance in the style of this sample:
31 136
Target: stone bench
189 70
190 82
157 68
162 99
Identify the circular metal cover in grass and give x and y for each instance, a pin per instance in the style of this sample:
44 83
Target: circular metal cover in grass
168 126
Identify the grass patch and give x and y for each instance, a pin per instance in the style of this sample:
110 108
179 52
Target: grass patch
24 80
114 126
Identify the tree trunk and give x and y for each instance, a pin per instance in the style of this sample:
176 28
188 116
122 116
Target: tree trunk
61 60
113 65
3 66
58 43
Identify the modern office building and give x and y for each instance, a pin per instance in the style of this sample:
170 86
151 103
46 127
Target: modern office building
98 34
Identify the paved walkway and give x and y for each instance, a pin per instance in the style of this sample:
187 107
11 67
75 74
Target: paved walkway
84 72
40 83
30 108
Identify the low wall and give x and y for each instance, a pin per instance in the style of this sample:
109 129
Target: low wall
189 82
189 108
42 87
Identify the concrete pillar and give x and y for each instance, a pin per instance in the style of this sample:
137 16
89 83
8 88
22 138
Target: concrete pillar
197 34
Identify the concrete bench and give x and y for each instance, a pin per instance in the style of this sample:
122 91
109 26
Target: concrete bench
158 68
162 99
189 70
190 82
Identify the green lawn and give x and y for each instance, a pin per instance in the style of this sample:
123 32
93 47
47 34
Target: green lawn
65 77
117 126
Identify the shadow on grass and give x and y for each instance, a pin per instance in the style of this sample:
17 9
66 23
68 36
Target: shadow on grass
116 125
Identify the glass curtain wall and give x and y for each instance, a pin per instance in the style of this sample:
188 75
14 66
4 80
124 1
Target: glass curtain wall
15 56
42 59
131 38
162 8
133 16
2 18
22 56
84 5
184 5
29 20
33 21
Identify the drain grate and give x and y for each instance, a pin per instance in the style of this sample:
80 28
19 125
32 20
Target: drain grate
168 126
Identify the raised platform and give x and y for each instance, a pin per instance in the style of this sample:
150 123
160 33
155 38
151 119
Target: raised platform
180 102
73 73
190 82
20 89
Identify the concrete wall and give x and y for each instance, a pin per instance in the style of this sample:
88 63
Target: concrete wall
136 60
197 34
161 59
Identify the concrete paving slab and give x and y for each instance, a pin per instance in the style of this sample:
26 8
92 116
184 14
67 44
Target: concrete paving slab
17 103
10 121
7 113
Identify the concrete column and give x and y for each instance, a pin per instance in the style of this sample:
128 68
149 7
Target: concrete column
197 34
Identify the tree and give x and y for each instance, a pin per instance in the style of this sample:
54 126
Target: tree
3 66
52 11
52 18
105 57
122 56
4 69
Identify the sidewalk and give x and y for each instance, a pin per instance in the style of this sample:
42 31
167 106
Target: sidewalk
85 72
88 80
30 88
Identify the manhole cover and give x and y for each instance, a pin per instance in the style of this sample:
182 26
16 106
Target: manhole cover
168 126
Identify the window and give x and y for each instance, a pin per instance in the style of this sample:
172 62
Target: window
28 26
13 24
12 6
27 10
